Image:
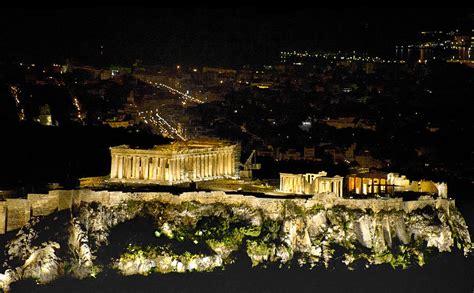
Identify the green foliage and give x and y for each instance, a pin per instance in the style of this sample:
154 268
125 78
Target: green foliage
133 206
231 241
148 252
95 270
292 209
213 228
251 231
315 209
269 230
258 249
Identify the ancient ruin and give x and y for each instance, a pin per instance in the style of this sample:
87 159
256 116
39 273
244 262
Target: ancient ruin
176 163
391 183
311 183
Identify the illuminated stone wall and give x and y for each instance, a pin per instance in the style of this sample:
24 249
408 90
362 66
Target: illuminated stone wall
402 183
175 163
43 204
3 217
18 213
311 183
15 213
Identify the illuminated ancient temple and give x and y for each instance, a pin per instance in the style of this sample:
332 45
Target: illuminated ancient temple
382 183
175 163
311 183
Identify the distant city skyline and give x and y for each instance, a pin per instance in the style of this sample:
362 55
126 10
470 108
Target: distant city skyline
211 36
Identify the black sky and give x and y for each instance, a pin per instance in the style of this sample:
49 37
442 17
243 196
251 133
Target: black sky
209 36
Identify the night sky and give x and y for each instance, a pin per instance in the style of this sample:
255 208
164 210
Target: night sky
209 36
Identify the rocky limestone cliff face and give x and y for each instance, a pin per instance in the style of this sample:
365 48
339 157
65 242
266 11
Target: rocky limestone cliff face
191 236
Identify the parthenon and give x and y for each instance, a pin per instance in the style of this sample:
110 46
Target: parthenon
310 183
175 163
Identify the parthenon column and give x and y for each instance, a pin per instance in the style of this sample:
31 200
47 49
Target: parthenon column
198 166
208 166
154 168
226 163
170 170
162 168
232 164
166 169
137 167
185 173
193 166
120 167
212 163
182 168
219 164
134 167
129 167
178 169
145 167
113 169
201 166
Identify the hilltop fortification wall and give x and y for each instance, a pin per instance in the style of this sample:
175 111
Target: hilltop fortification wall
15 213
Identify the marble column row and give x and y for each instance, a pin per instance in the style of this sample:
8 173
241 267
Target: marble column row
291 184
330 185
173 169
362 185
136 167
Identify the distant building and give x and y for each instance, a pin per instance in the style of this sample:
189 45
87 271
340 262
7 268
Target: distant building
290 154
366 160
45 117
119 124
309 153
348 122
